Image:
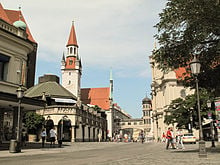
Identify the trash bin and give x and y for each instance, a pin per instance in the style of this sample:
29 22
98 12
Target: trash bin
14 146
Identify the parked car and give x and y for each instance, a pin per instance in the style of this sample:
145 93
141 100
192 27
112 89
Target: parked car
189 138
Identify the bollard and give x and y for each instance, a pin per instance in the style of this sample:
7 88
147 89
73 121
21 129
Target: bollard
13 146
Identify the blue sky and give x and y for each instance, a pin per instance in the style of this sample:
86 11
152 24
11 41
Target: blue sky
115 34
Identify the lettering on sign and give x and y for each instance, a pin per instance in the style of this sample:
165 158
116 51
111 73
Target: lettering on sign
65 110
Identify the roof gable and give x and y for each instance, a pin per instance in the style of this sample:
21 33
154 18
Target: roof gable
14 15
51 88
96 96
10 16
3 15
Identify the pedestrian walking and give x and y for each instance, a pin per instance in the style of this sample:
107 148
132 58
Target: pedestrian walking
179 139
99 136
23 137
43 136
142 136
169 136
163 138
53 135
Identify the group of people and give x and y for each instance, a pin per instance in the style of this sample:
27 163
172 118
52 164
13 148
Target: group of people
175 141
52 136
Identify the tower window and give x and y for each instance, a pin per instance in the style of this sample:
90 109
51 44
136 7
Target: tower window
74 50
71 62
71 50
69 82
69 73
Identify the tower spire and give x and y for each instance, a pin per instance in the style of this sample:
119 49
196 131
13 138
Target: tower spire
72 37
111 86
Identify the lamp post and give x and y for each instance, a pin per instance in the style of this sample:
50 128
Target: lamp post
195 69
20 93
209 105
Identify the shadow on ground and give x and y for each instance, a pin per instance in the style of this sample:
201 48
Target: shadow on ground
212 150
31 145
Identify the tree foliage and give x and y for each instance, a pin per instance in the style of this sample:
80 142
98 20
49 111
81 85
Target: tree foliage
181 110
33 121
188 28
97 108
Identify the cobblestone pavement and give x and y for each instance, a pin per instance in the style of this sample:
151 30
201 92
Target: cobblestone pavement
107 153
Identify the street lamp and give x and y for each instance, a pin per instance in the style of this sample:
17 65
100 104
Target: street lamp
20 93
195 69
209 105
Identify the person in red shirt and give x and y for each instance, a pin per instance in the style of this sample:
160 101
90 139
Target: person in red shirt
169 136
163 138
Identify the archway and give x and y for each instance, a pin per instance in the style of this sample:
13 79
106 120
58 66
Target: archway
64 130
49 124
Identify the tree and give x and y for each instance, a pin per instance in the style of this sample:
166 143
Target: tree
97 108
189 28
181 110
33 121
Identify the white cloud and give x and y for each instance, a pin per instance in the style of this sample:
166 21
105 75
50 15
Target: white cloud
108 32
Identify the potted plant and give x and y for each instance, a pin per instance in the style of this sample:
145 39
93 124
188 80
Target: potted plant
33 122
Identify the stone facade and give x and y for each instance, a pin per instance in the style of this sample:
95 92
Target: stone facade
78 124
165 88
17 67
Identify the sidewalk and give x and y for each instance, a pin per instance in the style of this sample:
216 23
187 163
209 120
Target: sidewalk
36 149
32 148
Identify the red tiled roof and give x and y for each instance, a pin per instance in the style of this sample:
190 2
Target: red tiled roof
3 15
11 16
96 96
181 73
72 38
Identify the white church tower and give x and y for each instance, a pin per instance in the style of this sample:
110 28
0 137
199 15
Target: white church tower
71 67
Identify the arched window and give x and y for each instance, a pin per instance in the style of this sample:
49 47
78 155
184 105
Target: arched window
74 50
71 50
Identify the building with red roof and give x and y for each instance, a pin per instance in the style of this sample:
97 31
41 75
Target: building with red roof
165 87
17 67
96 96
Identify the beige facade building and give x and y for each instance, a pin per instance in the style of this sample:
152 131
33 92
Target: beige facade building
71 121
133 126
17 68
165 88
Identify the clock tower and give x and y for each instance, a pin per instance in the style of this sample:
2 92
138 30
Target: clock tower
71 67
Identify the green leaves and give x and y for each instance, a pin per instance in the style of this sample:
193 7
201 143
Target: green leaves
32 120
187 28
181 110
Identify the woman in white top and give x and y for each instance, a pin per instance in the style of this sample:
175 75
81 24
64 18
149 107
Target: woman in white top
52 136
179 139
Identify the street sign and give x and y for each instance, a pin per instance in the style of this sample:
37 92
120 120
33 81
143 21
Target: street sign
217 105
